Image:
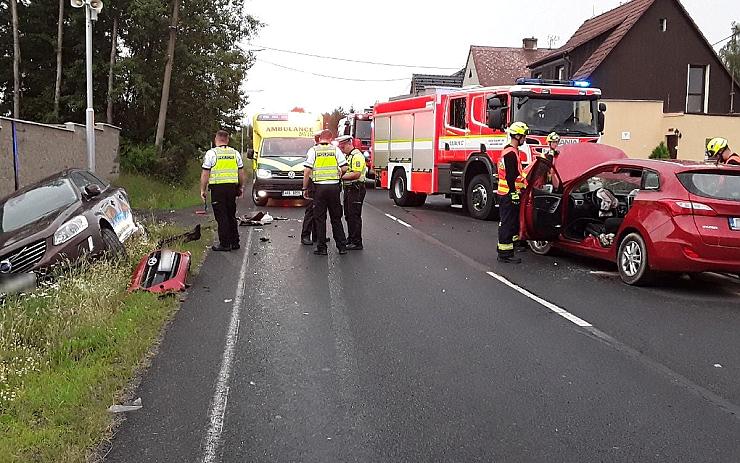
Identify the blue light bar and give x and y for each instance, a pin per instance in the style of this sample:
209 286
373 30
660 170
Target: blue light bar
581 83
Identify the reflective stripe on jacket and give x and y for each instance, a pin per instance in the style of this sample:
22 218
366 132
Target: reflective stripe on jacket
226 169
503 185
356 164
325 167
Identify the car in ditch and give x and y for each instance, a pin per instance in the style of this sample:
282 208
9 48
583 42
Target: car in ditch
60 219
647 216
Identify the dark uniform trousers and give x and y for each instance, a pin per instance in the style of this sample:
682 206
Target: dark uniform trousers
509 226
326 198
309 224
354 195
223 200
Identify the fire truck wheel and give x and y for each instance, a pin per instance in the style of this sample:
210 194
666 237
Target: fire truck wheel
480 198
419 199
400 194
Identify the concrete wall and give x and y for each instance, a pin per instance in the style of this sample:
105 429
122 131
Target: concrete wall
46 149
637 127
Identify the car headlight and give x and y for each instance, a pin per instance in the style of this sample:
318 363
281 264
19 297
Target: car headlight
70 229
264 173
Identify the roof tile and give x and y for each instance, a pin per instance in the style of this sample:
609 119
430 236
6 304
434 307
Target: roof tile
502 65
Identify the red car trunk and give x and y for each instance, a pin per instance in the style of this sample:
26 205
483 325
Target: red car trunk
715 202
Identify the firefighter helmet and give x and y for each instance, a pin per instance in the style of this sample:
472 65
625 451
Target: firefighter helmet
553 138
518 128
716 145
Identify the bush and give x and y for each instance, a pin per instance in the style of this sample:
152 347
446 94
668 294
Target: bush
172 166
660 152
139 159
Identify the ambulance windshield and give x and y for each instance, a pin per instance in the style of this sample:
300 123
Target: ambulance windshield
291 147
565 116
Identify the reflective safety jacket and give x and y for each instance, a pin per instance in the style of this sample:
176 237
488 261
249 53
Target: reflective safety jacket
356 164
226 169
503 185
325 167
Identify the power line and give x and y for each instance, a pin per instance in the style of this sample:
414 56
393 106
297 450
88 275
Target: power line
726 38
327 76
356 60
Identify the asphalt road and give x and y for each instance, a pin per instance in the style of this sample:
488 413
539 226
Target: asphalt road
423 348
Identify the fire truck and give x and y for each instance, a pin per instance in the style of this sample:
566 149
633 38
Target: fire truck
359 127
449 140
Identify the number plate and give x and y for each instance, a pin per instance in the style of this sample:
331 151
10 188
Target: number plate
293 193
734 223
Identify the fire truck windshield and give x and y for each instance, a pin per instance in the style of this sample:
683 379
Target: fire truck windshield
363 129
565 116
291 147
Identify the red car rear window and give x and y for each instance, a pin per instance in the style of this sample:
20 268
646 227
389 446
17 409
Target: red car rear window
715 185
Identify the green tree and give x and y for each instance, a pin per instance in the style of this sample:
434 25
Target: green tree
331 119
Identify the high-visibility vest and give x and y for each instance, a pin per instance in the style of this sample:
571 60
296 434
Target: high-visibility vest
226 169
503 186
325 167
734 159
357 164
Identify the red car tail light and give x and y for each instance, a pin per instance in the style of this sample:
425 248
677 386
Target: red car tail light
682 207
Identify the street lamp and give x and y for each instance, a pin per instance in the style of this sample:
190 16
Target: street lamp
92 8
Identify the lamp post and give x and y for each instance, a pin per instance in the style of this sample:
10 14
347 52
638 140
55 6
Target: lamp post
92 8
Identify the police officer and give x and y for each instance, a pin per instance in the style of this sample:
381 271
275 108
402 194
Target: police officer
223 174
510 182
308 231
325 164
353 182
719 149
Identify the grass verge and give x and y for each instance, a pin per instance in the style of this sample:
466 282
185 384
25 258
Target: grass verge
69 350
147 192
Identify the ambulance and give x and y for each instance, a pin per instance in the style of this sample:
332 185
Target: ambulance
279 145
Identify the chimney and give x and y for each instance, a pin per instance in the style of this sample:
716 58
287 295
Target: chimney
529 43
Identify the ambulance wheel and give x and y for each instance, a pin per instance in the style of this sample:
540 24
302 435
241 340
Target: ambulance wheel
261 202
480 198
399 190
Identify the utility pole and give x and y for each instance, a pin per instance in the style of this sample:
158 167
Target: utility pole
16 61
159 137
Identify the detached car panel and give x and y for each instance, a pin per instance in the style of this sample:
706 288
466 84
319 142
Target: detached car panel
60 219
162 271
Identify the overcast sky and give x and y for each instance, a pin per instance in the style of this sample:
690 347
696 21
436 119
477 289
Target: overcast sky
409 32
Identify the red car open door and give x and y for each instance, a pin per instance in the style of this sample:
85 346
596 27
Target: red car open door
541 210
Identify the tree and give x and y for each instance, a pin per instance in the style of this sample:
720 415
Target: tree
298 109
111 66
331 120
16 61
60 43
162 120
730 55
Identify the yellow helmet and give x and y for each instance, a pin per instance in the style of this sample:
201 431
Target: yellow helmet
716 145
518 128
553 137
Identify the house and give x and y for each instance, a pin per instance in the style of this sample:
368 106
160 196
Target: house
421 81
490 66
646 50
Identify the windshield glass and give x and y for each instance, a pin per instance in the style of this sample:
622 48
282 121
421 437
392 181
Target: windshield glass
32 205
295 147
712 185
363 129
567 117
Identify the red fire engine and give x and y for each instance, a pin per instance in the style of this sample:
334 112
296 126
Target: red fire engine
448 141
359 126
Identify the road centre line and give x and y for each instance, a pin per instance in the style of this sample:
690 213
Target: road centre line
395 219
558 310
221 395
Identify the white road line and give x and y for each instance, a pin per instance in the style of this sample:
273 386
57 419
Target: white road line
221 396
391 217
560 311
403 223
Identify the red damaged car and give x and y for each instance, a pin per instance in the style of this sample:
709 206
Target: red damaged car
647 216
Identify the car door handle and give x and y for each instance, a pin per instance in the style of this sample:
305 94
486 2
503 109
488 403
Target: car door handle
578 202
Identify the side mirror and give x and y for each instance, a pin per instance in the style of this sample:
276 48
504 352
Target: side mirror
496 119
92 190
250 153
602 107
600 121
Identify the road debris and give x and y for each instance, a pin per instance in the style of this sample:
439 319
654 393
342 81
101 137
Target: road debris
264 239
135 405
228 300
260 218
717 365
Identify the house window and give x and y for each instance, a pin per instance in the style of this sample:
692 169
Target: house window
560 72
696 89
456 115
663 24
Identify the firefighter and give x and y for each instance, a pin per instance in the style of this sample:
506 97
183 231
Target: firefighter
553 140
510 181
325 164
308 231
223 174
719 149
353 182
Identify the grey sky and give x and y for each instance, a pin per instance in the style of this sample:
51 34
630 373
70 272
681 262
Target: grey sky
408 32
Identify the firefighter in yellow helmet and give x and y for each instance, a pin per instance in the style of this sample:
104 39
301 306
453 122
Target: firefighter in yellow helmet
553 140
719 149
510 181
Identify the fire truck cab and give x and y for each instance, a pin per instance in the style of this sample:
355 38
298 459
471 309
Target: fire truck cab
448 141
360 126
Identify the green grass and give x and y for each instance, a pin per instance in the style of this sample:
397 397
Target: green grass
69 350
147 192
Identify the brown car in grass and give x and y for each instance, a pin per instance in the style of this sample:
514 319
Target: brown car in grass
60 219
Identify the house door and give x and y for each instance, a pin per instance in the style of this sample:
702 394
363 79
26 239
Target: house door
672 142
